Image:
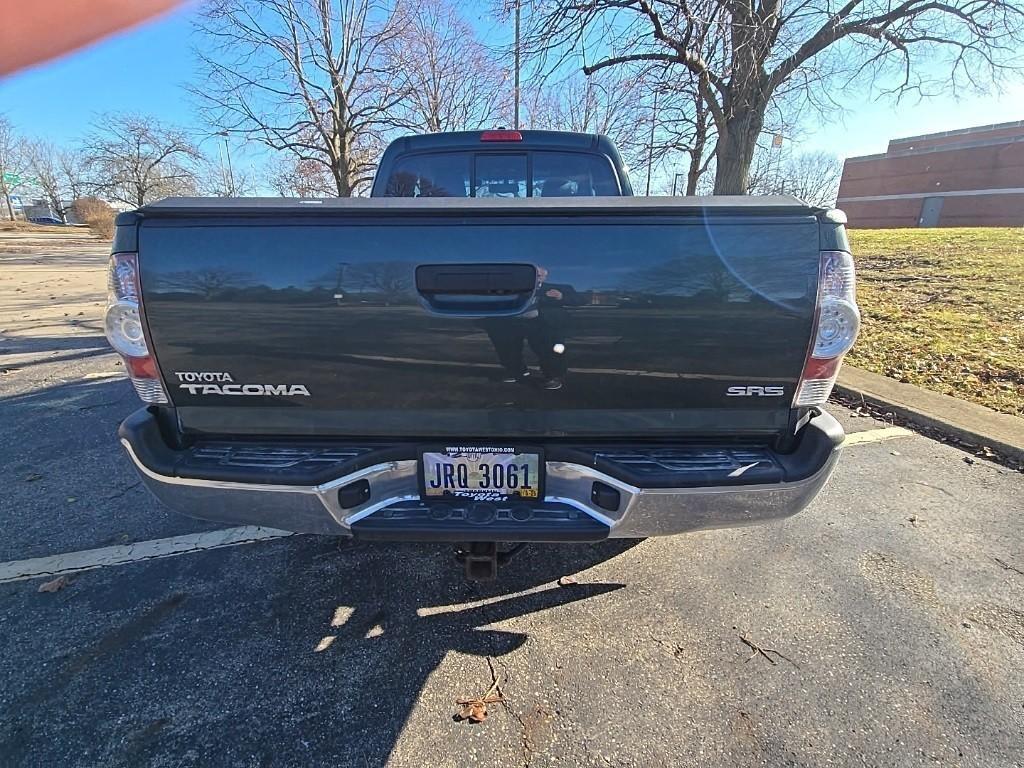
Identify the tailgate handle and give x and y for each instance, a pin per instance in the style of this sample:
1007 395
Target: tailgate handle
476 289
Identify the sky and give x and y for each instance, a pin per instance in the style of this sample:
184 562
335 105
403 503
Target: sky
145 69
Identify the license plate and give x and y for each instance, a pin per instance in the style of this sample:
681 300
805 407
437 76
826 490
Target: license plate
482 473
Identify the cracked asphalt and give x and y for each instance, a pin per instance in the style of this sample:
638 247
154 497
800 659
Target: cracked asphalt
891 612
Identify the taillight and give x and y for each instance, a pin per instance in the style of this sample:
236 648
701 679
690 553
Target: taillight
836 326
123 326
501 135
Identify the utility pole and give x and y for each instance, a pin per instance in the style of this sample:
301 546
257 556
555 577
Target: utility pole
227 155
778 183
650 145
516 96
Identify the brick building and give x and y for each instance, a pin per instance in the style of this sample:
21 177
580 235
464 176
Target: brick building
968 178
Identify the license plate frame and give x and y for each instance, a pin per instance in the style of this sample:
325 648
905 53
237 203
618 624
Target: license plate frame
531 455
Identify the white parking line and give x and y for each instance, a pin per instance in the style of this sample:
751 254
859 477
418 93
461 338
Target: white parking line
877 435
72 562
106 375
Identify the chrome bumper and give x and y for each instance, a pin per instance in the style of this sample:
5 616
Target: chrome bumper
641 512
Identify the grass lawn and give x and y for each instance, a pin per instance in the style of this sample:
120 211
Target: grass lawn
944 309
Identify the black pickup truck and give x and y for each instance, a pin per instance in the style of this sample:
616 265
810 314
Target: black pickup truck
442 362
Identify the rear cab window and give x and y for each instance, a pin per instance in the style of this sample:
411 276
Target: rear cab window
500 175
440 174
573 174
537 173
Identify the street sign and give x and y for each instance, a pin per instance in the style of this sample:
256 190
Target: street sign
12 178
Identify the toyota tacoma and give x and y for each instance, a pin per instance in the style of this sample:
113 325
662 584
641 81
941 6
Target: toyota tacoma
501 344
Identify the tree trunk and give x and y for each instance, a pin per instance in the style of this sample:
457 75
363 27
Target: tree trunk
340 172
341 165
693 172
700 140
7 200
735 151
5 192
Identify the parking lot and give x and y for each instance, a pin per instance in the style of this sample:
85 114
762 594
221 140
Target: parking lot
883 626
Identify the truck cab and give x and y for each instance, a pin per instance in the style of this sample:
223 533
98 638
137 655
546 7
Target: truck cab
503 164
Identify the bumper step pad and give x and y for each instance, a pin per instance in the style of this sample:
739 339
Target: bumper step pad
690 465
643 466
295 462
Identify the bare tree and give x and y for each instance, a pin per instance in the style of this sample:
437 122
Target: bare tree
60 175
292 176
814 177
136 159
449 80
684 127
598 104
216 178
771 48
811 176
42 159
604 103
73 168
307 77
700 148
13 163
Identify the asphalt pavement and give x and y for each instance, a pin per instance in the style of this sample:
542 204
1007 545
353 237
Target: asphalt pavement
883 626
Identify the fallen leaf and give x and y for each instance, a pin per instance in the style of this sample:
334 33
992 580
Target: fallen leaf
33 477
54 584
567 581
475 710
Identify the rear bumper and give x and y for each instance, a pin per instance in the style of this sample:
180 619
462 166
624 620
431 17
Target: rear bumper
586 499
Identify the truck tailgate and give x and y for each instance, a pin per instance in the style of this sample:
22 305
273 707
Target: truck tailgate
400 318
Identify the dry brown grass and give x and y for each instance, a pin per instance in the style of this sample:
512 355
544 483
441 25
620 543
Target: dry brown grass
97 215
27 226
944 309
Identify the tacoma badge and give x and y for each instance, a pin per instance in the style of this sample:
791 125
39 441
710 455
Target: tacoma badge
222 383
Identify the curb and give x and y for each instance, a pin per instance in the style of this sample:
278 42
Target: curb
967 422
